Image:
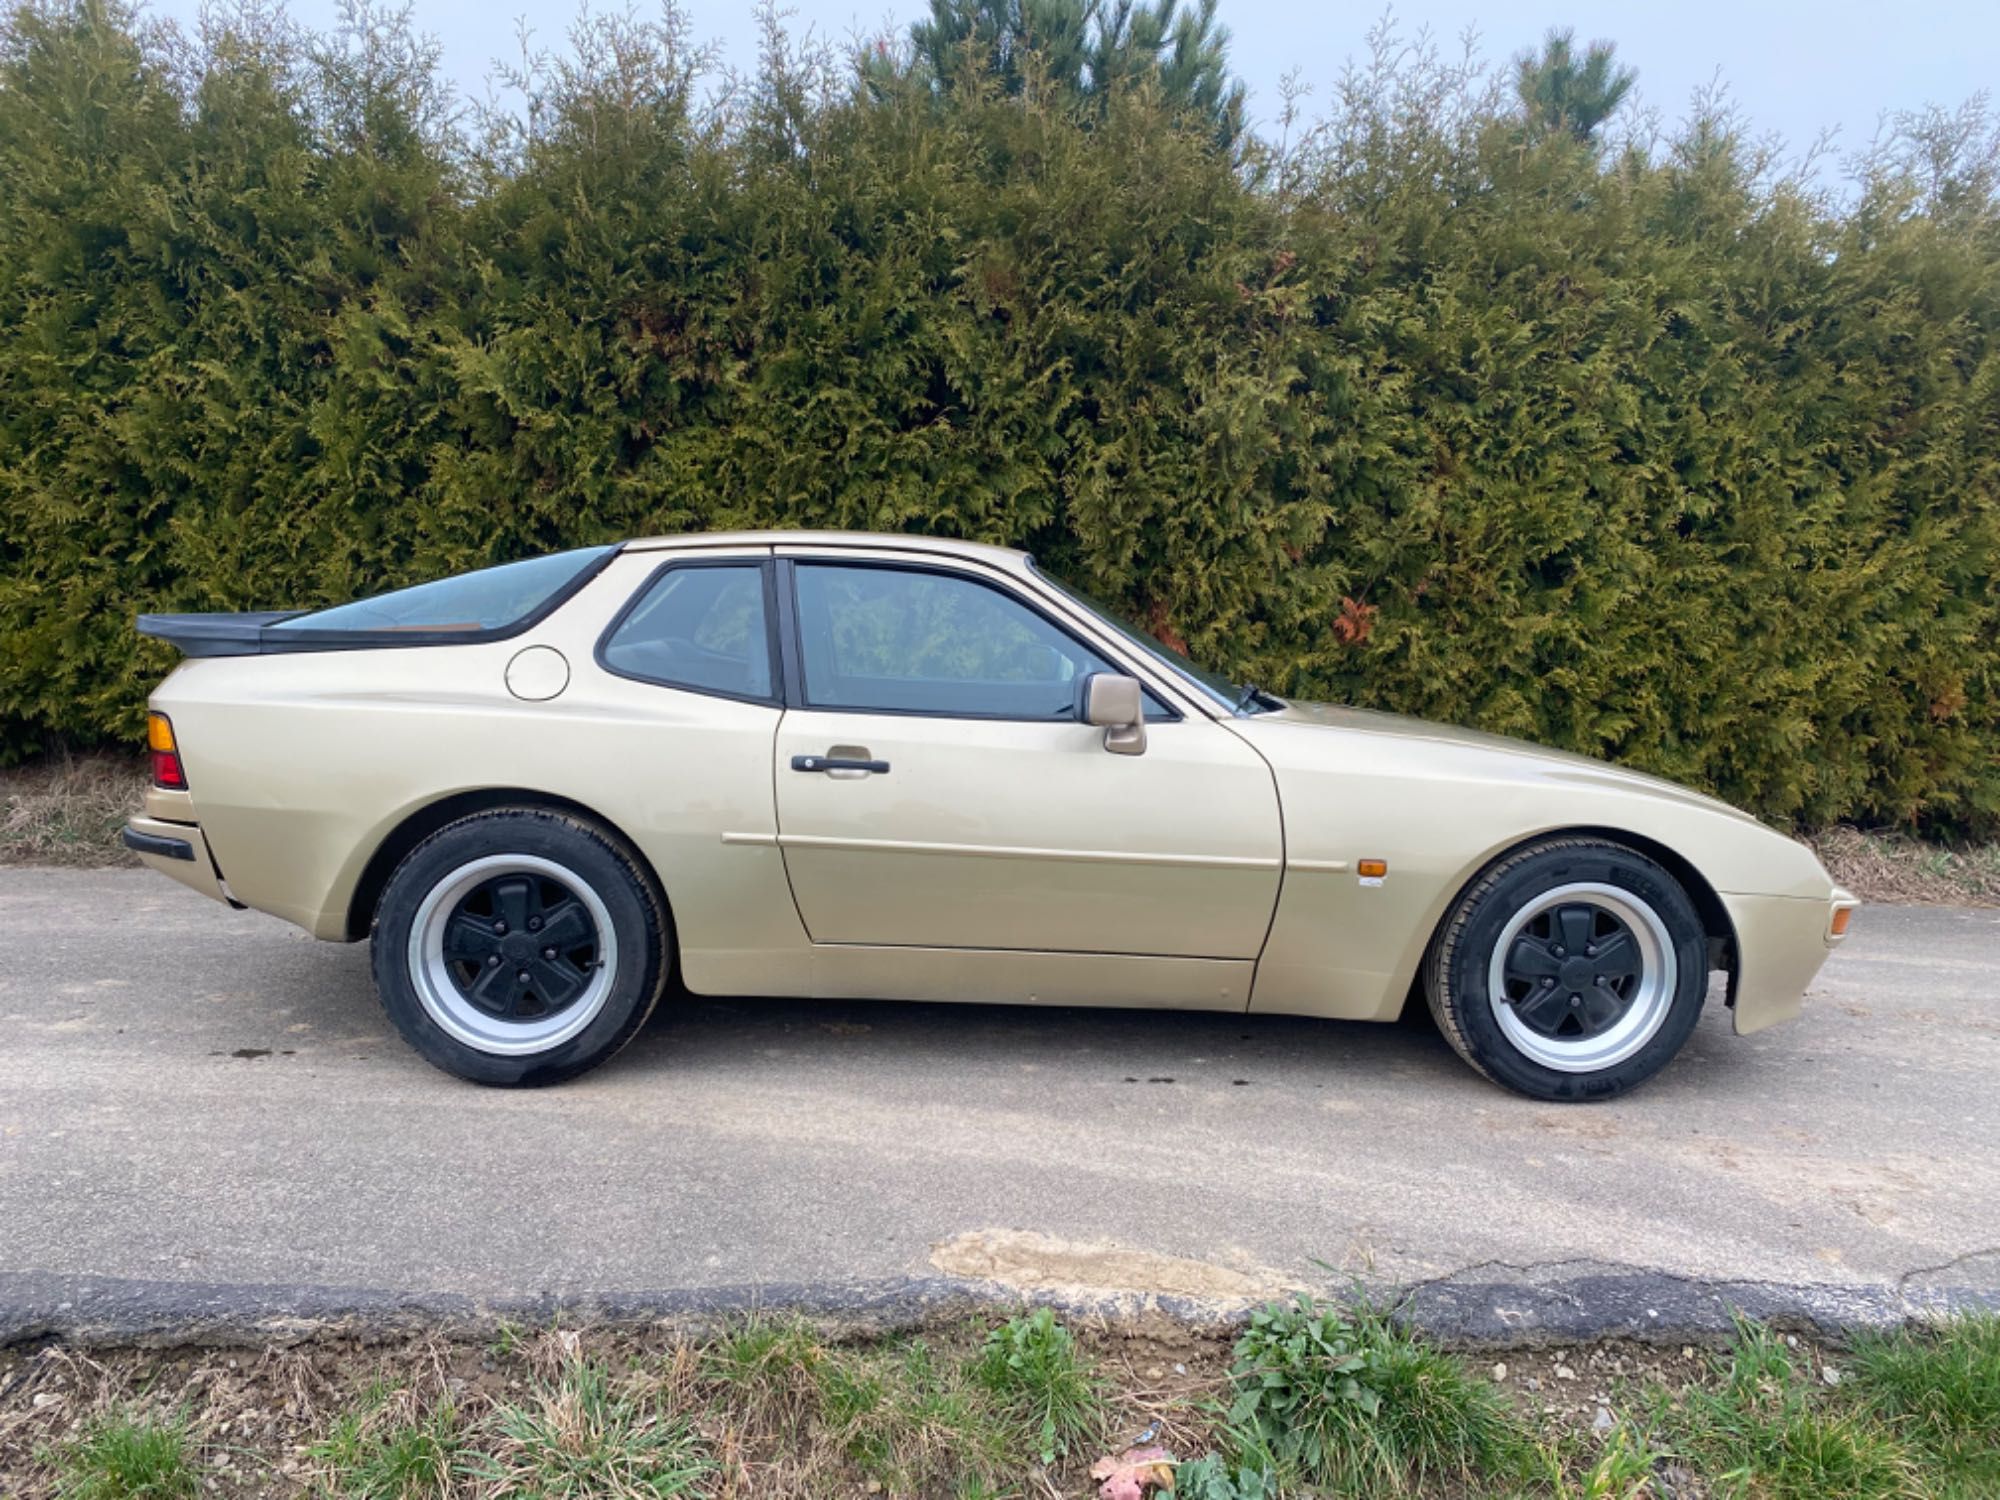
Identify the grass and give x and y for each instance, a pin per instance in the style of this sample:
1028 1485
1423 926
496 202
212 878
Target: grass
68 810
904 1415
1901 1415
1897 867
1938 1390
1764 1428
121 1456
584 1435
1312 1402
393 1446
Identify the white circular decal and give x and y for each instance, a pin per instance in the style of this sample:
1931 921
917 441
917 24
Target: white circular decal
537 672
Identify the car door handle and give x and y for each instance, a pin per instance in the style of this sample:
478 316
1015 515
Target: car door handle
838 763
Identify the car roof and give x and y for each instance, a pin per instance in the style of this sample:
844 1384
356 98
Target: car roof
1004 557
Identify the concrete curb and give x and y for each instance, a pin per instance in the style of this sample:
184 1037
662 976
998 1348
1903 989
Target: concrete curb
1491 1305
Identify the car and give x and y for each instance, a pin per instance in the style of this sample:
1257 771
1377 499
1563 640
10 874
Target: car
842 766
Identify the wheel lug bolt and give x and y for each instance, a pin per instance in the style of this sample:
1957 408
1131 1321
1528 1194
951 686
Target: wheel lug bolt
1558 951
549 953
1590 950
493 962
1575 1001
522 976
500 927
1548 984
534 924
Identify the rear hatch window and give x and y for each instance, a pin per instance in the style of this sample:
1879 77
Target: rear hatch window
492 599
488 605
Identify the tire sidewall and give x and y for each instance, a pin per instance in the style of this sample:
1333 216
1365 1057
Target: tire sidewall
635 928
1535 875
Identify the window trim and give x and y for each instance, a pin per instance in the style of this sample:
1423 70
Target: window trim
1156 653
794 645
292 639
766 574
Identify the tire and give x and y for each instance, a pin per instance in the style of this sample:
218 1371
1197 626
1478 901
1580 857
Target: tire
1513 997
552 993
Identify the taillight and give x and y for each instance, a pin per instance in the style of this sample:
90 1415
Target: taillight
167 770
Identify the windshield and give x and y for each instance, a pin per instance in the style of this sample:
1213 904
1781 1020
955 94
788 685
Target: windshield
1212 685
490 599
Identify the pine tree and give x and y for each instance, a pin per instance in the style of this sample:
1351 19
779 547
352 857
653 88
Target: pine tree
1560 93
1086 49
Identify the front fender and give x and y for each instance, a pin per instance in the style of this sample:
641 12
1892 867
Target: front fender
1439 810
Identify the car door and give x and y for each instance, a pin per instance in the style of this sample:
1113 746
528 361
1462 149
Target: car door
936 789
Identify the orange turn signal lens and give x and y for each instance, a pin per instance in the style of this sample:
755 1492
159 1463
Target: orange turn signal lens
1838 926
166 755
1372 869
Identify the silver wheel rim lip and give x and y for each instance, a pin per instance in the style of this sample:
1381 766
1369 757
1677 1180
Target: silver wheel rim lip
457 1016
1652 999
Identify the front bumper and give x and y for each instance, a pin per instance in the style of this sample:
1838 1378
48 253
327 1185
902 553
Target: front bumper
177 850
1781 941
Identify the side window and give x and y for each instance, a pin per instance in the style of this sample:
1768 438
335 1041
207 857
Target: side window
903 641
701 627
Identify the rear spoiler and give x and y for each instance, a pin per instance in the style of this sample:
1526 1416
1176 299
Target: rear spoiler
251 634
218 635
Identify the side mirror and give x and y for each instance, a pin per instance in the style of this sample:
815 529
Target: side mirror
1117 704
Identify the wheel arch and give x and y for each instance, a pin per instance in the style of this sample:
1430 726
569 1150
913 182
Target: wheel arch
1721 932
421 822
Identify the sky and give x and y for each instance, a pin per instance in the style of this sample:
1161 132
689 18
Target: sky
1792 68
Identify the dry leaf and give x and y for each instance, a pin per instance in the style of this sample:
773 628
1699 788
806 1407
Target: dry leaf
1134 1474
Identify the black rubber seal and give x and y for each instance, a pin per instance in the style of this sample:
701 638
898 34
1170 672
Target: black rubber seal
152 843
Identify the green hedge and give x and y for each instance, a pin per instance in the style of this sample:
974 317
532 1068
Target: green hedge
1653 455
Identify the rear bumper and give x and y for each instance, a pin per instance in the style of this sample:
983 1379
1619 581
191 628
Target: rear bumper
1781 941
177 850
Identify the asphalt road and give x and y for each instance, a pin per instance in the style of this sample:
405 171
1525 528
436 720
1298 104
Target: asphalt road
190 1095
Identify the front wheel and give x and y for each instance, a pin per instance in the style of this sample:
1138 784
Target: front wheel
519 947
1573 969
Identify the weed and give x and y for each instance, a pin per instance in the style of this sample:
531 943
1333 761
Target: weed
1211 1478
1034 1365
123 1456
508 1341
1356 1404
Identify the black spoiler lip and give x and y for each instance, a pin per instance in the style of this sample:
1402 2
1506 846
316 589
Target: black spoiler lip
214 635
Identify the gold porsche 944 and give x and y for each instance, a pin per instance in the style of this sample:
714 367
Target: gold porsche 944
847 766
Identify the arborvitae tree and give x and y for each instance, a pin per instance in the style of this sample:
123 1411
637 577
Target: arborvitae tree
1665 457
1560 92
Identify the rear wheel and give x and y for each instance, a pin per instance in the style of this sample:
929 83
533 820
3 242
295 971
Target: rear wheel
519 947
1573 969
